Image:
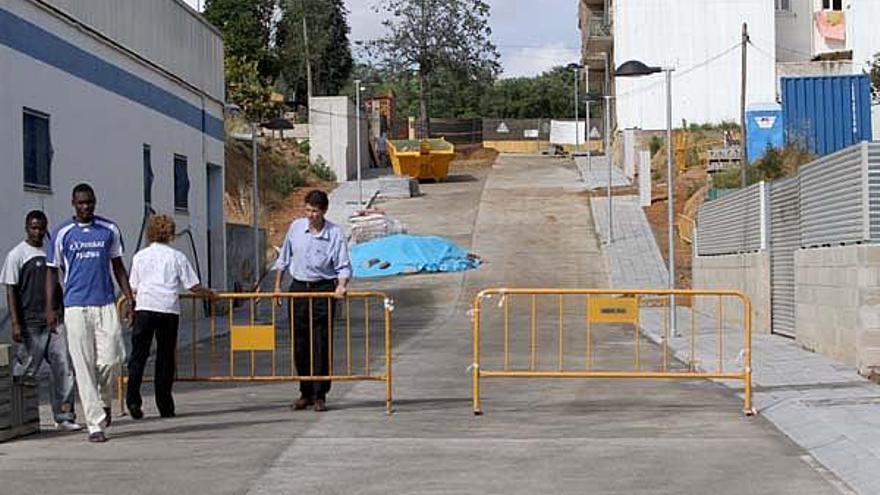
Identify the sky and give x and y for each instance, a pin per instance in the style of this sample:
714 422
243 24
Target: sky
531 35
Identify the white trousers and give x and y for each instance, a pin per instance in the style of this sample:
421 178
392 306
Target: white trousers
94 338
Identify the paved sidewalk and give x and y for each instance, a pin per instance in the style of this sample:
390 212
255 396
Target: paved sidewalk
824 406
344 199
634 261
594 172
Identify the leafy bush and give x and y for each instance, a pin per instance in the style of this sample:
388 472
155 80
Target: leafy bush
655 144
304 147
775 164
290 179
320 170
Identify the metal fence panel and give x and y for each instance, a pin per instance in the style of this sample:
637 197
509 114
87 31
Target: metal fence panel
458 131
516 129
833 199
735 223
873 154
785 239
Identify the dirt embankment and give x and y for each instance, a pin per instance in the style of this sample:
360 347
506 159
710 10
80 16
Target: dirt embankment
284 176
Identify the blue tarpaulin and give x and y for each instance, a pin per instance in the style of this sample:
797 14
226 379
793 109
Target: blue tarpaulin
403 253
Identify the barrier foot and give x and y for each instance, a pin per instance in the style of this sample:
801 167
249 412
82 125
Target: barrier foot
478 412
389 409
750 412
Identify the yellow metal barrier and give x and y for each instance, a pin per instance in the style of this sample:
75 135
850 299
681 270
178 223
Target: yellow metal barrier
702 345
250 337
686 226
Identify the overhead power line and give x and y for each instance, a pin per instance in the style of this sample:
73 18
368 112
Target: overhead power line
680 73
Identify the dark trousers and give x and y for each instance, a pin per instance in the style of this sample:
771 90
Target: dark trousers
164 327
316 362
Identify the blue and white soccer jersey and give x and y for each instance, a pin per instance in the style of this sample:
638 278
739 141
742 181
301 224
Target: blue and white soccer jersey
83 252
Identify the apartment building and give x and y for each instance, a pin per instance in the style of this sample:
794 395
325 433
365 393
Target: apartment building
698 38
821 37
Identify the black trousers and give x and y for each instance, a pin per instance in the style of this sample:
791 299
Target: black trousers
316 362
164 327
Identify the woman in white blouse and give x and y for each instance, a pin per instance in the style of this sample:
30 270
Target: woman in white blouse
158 273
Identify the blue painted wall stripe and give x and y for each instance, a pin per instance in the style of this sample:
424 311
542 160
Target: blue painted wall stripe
35 42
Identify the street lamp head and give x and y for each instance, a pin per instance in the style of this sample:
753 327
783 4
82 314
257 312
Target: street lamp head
232 109
277 124
574 66
635 68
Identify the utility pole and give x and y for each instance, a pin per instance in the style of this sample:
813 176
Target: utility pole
308 57
255 193
357 104
744 160
577 121
587 127
608 156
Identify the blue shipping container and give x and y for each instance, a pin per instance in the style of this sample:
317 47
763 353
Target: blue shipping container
828 113
764 129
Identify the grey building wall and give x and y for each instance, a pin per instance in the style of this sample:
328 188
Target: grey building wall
99 121
168 33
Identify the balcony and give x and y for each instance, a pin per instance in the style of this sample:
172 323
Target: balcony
599 26
599 34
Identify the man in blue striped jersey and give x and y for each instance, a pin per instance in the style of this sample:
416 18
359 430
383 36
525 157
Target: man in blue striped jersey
87 250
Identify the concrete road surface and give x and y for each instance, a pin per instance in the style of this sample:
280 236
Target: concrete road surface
527 218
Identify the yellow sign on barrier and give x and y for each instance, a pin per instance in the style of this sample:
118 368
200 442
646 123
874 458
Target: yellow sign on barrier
614 310
253 337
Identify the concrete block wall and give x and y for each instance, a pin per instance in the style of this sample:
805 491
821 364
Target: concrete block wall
749 273
837 297
333 136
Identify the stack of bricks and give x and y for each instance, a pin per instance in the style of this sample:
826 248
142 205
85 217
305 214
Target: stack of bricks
19 403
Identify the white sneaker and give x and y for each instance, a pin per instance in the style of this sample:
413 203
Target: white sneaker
68 426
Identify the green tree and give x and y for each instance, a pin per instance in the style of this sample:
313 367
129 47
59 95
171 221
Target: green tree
247 89
248 30
547 95
434 39
328 47
875 78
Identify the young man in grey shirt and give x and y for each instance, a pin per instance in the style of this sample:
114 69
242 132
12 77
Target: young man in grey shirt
24 274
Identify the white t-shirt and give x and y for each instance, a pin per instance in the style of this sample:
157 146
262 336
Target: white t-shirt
158 273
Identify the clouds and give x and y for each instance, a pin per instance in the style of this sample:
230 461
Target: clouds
530 61
532 36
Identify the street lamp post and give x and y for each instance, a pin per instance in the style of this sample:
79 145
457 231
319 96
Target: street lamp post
577 134
608 160
274 124
357 99
634 68
256 204
587 123
576 68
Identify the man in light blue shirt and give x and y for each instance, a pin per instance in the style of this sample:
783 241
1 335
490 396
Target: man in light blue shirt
315 256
